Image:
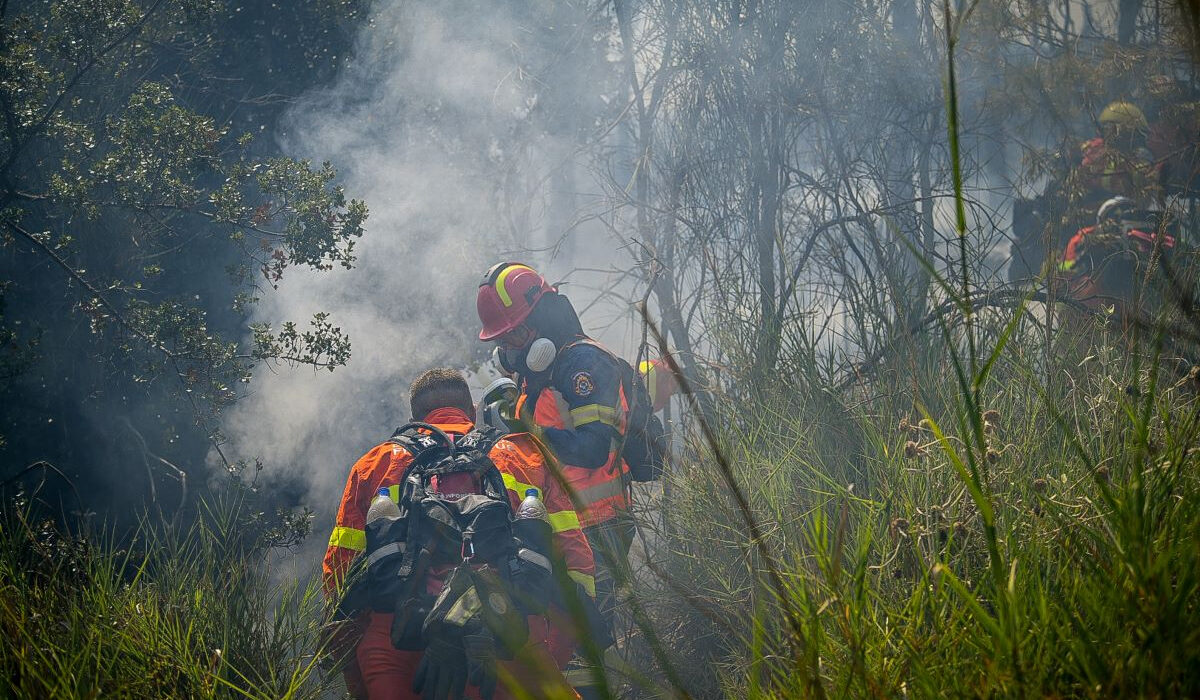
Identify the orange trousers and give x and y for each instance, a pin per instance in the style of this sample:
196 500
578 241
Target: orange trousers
388 672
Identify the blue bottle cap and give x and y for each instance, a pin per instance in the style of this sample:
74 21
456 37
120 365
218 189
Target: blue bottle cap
531 492
385 491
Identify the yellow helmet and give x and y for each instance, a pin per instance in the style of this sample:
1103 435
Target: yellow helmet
1125 115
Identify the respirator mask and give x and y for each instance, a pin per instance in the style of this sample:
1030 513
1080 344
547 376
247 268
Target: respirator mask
535 359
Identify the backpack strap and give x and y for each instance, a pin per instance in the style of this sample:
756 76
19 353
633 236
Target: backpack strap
428 445
474 448
418 443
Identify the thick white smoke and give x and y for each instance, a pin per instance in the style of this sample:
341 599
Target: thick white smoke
461 157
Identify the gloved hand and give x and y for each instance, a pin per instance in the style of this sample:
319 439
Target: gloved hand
443 672
479 645
507 411
446 667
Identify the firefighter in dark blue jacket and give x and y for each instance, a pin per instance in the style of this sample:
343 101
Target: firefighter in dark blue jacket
571 388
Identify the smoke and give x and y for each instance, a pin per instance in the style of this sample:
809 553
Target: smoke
458 123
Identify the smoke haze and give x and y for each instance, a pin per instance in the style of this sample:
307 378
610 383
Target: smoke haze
430 124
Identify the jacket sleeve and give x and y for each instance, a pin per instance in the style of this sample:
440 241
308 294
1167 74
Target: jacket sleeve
349 536
522 467
589 380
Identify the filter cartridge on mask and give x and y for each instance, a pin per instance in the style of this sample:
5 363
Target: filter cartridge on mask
541 355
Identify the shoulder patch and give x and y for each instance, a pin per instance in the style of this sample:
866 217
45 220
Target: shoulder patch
582 384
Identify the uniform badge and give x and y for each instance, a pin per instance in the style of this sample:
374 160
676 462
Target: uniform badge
583 384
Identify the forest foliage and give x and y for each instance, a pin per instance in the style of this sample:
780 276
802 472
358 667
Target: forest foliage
143 215
948 484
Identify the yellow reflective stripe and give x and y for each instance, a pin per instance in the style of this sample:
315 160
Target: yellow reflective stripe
511 483
348 538
500 289
649 376
588 582
564 520
595 412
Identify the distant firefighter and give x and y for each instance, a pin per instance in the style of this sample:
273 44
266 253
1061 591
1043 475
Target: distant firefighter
1117 163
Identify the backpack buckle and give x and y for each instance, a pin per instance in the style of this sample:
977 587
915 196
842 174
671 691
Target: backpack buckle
468 549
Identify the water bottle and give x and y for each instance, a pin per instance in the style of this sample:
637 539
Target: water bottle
532 507
532 524
382 506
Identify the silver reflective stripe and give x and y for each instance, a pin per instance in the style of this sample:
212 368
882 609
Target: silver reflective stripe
386 550
564 409
533 558
599 492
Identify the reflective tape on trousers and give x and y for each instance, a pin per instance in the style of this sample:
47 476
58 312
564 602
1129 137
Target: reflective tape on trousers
587 582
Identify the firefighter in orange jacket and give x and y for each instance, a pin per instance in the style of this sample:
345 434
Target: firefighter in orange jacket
571 390
1116 163
442 398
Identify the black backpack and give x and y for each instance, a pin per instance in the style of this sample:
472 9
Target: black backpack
437 530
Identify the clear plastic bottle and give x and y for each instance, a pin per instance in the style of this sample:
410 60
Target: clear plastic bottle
532 507
382 506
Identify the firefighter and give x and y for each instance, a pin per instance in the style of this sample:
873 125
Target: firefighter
441 397
1117 163
571 390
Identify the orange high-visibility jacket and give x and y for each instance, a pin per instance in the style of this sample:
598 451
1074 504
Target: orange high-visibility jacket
520 465
601 491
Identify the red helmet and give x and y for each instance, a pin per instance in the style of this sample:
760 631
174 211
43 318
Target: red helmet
507 295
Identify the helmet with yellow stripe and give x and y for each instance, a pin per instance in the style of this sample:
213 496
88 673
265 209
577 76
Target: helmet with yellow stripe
660 382
507 295
1124 115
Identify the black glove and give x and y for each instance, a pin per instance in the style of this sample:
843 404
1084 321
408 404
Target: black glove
498 613
479 645
443 672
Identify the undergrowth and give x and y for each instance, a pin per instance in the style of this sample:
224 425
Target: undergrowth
1062 559
173 611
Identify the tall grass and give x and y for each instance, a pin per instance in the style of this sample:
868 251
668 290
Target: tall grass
1064 562
173 611
1004 508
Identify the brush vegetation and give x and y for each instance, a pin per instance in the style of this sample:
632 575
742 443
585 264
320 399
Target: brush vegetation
999 499
171 611
1044 543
